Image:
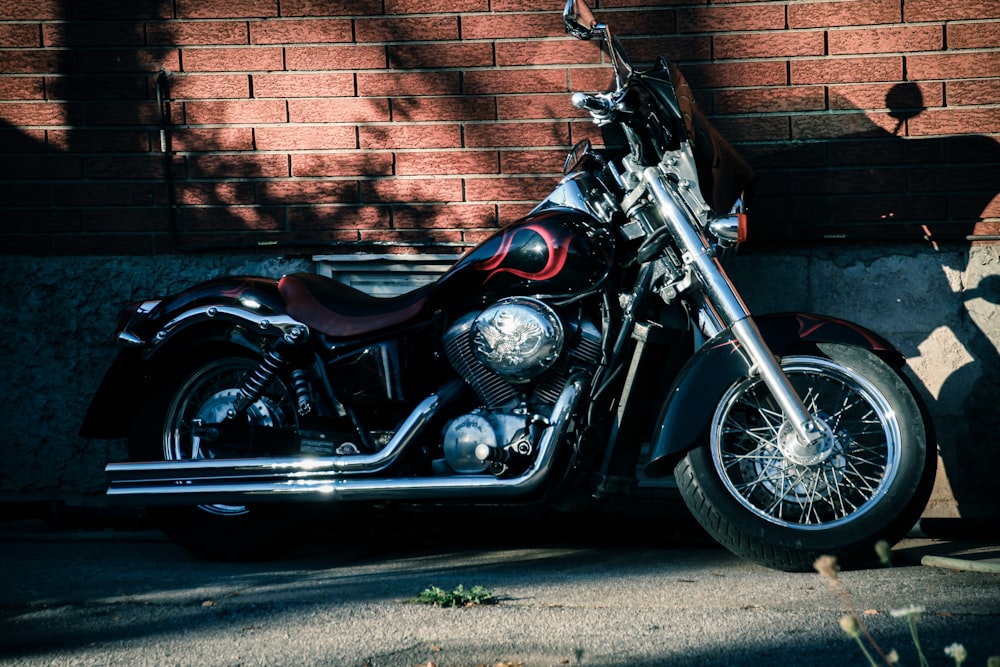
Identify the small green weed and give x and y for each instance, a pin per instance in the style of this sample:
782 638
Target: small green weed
457 597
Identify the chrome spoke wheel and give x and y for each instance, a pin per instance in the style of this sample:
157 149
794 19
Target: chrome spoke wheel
858 461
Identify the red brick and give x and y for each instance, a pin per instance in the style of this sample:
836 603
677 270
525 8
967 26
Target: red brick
435 6
300 31
649 21
284 85
235 112
737 74
30 61
465 107
410 29
948 65
847 70
406 190
252 165
108 61
329 217
215 193
832 126
36 113
92 33
18 10
684 47
771 100
410 136
125 219
232 218
307 191
215 139
418 56
229 59
45 167
769 44
196 33
839 13
532 161
351 57
330 7
764 128
949 10
96 87
212 86
973 35
590 79
509 188
21 88
977 91
102 193
305 137
578 131
509 26
210 9
338 110
407 83
886 40
728 18
515 107
129 140
445 216
544 53
955 121
353 163
19 35
882 95
446 162
97 114
18 140
516 134
480 82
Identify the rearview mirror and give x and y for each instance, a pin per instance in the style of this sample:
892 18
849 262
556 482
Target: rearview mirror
580 21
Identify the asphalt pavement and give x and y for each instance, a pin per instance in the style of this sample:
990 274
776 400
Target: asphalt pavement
97 595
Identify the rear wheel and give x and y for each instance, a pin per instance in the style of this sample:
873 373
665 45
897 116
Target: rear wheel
167 429
869 482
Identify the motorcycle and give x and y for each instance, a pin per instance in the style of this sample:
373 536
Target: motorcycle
593 344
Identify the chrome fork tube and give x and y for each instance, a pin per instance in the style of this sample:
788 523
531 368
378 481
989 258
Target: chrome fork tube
720 291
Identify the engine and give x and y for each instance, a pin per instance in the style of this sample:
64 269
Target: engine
517 356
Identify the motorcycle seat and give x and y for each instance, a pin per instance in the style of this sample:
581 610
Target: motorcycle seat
339 310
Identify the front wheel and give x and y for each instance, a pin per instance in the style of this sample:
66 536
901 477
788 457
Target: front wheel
870 482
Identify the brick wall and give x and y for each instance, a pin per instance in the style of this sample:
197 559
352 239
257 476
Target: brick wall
309 122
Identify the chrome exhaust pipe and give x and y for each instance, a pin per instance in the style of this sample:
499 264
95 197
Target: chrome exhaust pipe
328 478
187 470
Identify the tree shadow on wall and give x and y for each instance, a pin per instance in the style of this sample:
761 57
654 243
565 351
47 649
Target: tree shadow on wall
876 188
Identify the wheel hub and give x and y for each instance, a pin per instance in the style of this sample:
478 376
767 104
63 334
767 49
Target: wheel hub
806 453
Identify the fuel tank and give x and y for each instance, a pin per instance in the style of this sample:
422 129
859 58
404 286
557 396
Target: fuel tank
556 253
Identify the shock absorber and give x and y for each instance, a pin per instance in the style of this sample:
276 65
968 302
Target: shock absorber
254 382
300 384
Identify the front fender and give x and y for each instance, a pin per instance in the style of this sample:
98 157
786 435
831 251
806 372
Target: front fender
720 362
152 335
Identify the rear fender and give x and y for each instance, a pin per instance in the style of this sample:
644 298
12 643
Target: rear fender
719 363
154 335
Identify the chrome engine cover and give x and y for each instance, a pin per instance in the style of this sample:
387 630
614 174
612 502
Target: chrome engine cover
517 338
496 430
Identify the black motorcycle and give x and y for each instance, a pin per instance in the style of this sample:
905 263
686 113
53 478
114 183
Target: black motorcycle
594 343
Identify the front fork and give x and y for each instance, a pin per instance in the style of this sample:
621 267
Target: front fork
805 437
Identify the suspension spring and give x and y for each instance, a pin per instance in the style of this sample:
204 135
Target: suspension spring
303 397
253 384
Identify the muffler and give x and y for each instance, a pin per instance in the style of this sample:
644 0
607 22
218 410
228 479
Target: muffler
330 478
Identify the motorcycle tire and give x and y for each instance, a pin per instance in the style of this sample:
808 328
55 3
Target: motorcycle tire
870 484
204 388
